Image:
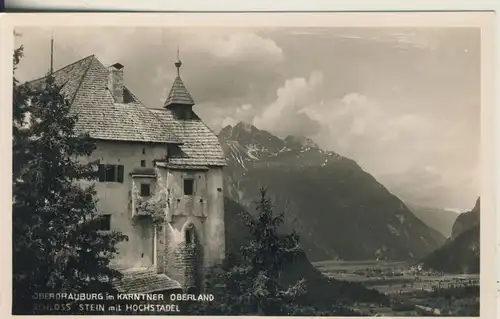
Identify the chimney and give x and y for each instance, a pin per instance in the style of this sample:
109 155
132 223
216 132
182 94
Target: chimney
115 82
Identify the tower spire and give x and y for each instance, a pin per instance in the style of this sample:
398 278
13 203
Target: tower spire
178 63
52 52
178 95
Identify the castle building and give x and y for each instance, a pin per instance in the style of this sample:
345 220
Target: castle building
160 176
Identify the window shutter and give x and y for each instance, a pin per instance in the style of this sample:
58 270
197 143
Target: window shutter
120 173
102 173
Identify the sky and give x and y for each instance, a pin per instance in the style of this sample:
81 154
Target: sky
403 103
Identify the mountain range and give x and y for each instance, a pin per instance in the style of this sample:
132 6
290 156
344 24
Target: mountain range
339 210
461 252
467 220
441 220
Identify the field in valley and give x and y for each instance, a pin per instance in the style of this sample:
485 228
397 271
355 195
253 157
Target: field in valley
413 290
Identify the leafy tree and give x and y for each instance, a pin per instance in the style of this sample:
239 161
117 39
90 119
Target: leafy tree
56 243
251 283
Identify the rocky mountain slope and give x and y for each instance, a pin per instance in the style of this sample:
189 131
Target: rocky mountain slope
462 251
339 210
441 220
467 220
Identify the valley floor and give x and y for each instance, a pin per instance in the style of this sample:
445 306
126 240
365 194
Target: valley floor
413 291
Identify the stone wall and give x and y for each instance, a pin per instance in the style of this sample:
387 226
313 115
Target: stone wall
186 265
183 262
204 210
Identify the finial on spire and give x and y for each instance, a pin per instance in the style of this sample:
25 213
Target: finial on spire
52 52
178 63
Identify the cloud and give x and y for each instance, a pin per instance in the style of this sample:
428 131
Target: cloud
404 38
212 59
245 113
286 114
362 128
396 142
234 47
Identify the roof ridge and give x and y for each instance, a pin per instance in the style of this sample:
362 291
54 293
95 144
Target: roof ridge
84 76
99 61
60 69
208 127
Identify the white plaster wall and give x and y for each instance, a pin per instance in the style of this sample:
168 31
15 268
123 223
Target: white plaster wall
116 198
214 249
188 205
205 208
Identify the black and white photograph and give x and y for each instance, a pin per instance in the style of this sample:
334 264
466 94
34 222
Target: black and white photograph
250 170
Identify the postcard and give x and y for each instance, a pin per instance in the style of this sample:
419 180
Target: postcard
271 164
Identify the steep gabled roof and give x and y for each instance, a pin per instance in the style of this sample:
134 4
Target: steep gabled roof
85 85
179 95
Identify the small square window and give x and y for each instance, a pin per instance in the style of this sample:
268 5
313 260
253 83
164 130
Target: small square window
145 190
104 222
188 186
143 163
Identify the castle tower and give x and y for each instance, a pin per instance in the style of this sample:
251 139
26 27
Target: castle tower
194 232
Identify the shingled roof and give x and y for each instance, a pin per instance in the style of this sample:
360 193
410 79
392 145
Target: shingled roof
85 84
179 95
144 280
201 146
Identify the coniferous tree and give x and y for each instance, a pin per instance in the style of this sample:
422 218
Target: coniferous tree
255 278
56 243
250 282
